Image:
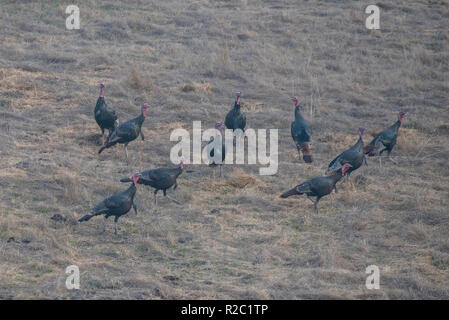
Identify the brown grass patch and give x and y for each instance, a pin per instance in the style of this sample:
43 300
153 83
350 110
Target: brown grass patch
240 180
196 86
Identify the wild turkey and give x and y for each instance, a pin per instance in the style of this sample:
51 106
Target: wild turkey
236 119
319 186
127 132
221 152
301 133
104 115
117 205
354 156
385 140
161 179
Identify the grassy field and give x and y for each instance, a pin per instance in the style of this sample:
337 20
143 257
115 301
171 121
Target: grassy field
233 238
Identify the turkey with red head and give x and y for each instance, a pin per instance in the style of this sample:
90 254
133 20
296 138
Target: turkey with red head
127 132
116 205
319 186
161 179
236 119
301 133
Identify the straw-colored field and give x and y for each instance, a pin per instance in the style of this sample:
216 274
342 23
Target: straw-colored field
232 238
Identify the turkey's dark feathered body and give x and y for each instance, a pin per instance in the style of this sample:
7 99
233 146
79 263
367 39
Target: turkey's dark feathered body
299 128
315 187
116 205
383 141
104 115
235 118
354 156
125 133
301 135
160 179
211 151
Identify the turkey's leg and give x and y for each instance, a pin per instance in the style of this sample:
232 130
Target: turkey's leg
390 158
316 205
104 224
310 199
155 198
102 135
170 198
126 152
174 200
115 226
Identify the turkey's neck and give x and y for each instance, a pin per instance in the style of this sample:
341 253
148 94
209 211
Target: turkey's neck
298 115
102 93
237 105
336 177
140 119
100 101
132 190
359 142
397 125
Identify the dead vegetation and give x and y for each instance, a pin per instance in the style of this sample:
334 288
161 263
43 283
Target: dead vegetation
232 238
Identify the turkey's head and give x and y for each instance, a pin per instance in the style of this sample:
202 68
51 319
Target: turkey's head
101 90
295 101
181 162
237 97
361 132
136 177
401 115
218 126
144 109
345 168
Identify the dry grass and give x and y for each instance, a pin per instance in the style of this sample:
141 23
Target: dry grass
232 238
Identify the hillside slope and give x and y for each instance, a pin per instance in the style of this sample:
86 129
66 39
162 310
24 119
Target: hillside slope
232 238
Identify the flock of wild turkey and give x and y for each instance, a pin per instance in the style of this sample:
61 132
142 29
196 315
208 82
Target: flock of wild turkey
165 178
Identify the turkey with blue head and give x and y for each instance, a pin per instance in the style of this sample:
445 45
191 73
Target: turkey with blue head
216 144
354 156
385 140
301 133
127 132
105 116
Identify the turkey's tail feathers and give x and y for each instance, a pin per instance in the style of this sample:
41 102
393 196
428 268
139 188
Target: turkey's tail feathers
307 159
101 149
87 217
291 192
306 152
334 166
369 150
